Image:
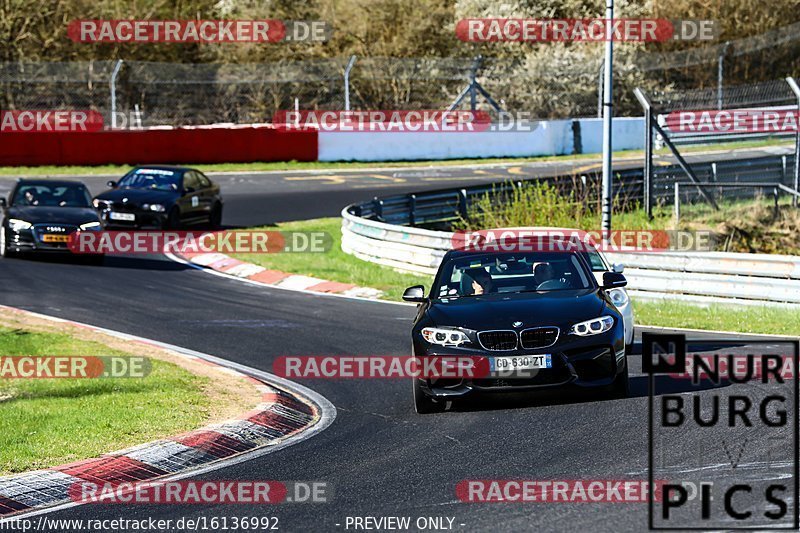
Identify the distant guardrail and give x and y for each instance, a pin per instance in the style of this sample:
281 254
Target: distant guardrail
385 231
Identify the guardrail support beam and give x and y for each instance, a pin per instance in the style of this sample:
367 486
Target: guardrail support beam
648 150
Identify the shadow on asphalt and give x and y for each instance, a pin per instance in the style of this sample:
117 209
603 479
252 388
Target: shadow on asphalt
133 262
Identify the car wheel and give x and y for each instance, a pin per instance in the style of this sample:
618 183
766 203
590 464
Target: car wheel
4 251
173 219
620 388
215 219
423 403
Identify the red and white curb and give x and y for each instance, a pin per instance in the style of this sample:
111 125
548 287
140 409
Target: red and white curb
274 278
288 413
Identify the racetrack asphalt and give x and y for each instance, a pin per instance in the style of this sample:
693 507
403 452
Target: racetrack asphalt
378 457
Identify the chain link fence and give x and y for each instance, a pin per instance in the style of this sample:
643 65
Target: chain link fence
541 85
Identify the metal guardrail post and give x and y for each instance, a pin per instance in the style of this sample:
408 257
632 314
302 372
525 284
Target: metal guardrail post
776 195
412 209
113 86
677 202
796 90
648 150
377 204
462 203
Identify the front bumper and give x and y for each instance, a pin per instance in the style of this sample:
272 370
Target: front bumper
143 220
593 361
34 240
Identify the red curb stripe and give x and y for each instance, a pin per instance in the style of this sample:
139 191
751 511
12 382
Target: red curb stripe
269 276
331 286
8 506
214 443
276 421
296 405
112 469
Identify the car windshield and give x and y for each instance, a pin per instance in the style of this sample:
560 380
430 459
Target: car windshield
152 178
478 274
56 195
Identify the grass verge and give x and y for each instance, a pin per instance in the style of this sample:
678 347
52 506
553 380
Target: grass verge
48 422
339 266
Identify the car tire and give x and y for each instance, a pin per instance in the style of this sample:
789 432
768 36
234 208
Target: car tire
423 403
4 250
620 388
215 218
173 219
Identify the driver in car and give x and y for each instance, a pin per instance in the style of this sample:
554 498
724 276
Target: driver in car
543 272
482 282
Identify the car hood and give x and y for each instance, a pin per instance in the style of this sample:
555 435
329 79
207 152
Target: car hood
139 196
499 311
54 215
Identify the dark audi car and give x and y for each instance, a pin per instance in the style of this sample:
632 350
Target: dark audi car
535 319
161 197
41 214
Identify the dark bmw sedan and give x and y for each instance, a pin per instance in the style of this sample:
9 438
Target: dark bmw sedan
534 319
161 197
41 214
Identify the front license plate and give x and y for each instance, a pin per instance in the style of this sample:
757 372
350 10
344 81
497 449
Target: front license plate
130 217
55 238
521 362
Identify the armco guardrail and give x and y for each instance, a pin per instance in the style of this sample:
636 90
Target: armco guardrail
755 279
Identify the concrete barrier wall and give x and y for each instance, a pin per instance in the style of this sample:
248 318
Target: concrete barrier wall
707 277
552 137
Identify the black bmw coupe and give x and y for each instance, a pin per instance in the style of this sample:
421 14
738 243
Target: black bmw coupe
40 215
535 318
161 197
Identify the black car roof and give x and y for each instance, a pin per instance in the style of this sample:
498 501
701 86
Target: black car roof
26 181
175 168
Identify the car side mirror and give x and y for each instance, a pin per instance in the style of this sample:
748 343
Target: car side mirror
188 190
112 184
618 267
614 280
3 202
414 294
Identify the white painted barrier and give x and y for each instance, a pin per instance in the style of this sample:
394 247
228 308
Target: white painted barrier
705 277
549 137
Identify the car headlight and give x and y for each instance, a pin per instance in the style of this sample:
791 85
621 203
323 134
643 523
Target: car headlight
16 224
158 208
90 226
618 296
444 336
594 326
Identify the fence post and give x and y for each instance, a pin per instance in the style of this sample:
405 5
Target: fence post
347 70
648 150
796 90
776 194
720 67
113 84
677 202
